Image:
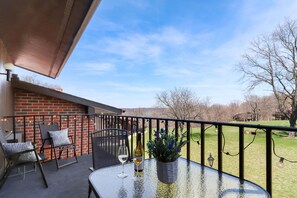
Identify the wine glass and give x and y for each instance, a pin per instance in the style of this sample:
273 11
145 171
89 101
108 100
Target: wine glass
123 157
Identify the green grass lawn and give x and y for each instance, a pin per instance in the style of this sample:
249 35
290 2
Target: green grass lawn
284 179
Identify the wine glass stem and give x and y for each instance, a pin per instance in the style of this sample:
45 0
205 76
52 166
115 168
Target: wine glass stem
123 168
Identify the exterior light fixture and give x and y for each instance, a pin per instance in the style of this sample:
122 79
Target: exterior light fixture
8 67
280 163
210 160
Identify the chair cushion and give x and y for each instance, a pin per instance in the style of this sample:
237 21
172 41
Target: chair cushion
13 148
60 137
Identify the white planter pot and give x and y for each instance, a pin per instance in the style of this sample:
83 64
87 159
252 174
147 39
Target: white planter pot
167 171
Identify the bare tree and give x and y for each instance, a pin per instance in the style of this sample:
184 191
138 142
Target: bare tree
233 109
203 107
271 60
254 103
219 113
181 103
36 81
268 107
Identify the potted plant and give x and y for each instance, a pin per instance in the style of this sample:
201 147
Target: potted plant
165 147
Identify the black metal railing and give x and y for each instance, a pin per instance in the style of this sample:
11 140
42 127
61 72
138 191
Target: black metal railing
80 126
133 123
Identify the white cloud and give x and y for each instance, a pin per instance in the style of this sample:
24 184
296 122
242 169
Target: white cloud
132 88
121 95
107 25
132 47
93 68
145 47
175 71
258 17
169 36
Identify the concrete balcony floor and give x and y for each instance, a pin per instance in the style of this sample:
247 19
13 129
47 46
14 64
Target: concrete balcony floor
70 181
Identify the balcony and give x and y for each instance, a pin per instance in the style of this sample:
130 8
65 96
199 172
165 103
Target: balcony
242 155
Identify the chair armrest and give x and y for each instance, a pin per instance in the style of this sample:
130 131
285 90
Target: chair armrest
12 141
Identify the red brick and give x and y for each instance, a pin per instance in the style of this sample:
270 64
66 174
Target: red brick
28 103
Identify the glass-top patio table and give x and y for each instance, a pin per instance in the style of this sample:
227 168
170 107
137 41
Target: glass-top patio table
193 180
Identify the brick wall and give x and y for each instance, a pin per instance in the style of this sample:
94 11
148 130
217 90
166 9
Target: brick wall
39 108
29 103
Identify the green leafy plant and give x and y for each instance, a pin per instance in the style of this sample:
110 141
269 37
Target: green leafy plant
165 147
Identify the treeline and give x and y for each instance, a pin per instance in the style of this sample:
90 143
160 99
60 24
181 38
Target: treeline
253 108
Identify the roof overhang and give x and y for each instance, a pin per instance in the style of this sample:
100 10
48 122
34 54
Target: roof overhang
40 35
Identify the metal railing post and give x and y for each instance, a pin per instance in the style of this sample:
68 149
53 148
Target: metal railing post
14 128
166 125
189 142
176 129
89 123
34 129
81 134
150 134
220 142
241 153
268 161
132 137
24 125
143 133
202 144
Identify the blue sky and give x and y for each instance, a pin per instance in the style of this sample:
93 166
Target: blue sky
133 49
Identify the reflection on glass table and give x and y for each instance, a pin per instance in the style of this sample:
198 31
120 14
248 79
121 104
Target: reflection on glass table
193 180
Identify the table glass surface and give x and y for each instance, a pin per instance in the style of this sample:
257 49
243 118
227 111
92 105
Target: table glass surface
193 180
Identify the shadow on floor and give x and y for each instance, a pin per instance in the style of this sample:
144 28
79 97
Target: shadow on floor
70 181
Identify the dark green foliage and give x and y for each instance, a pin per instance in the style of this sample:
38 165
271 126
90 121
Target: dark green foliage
165 147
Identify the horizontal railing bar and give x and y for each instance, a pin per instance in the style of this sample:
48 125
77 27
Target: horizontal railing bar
256 126
50 115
